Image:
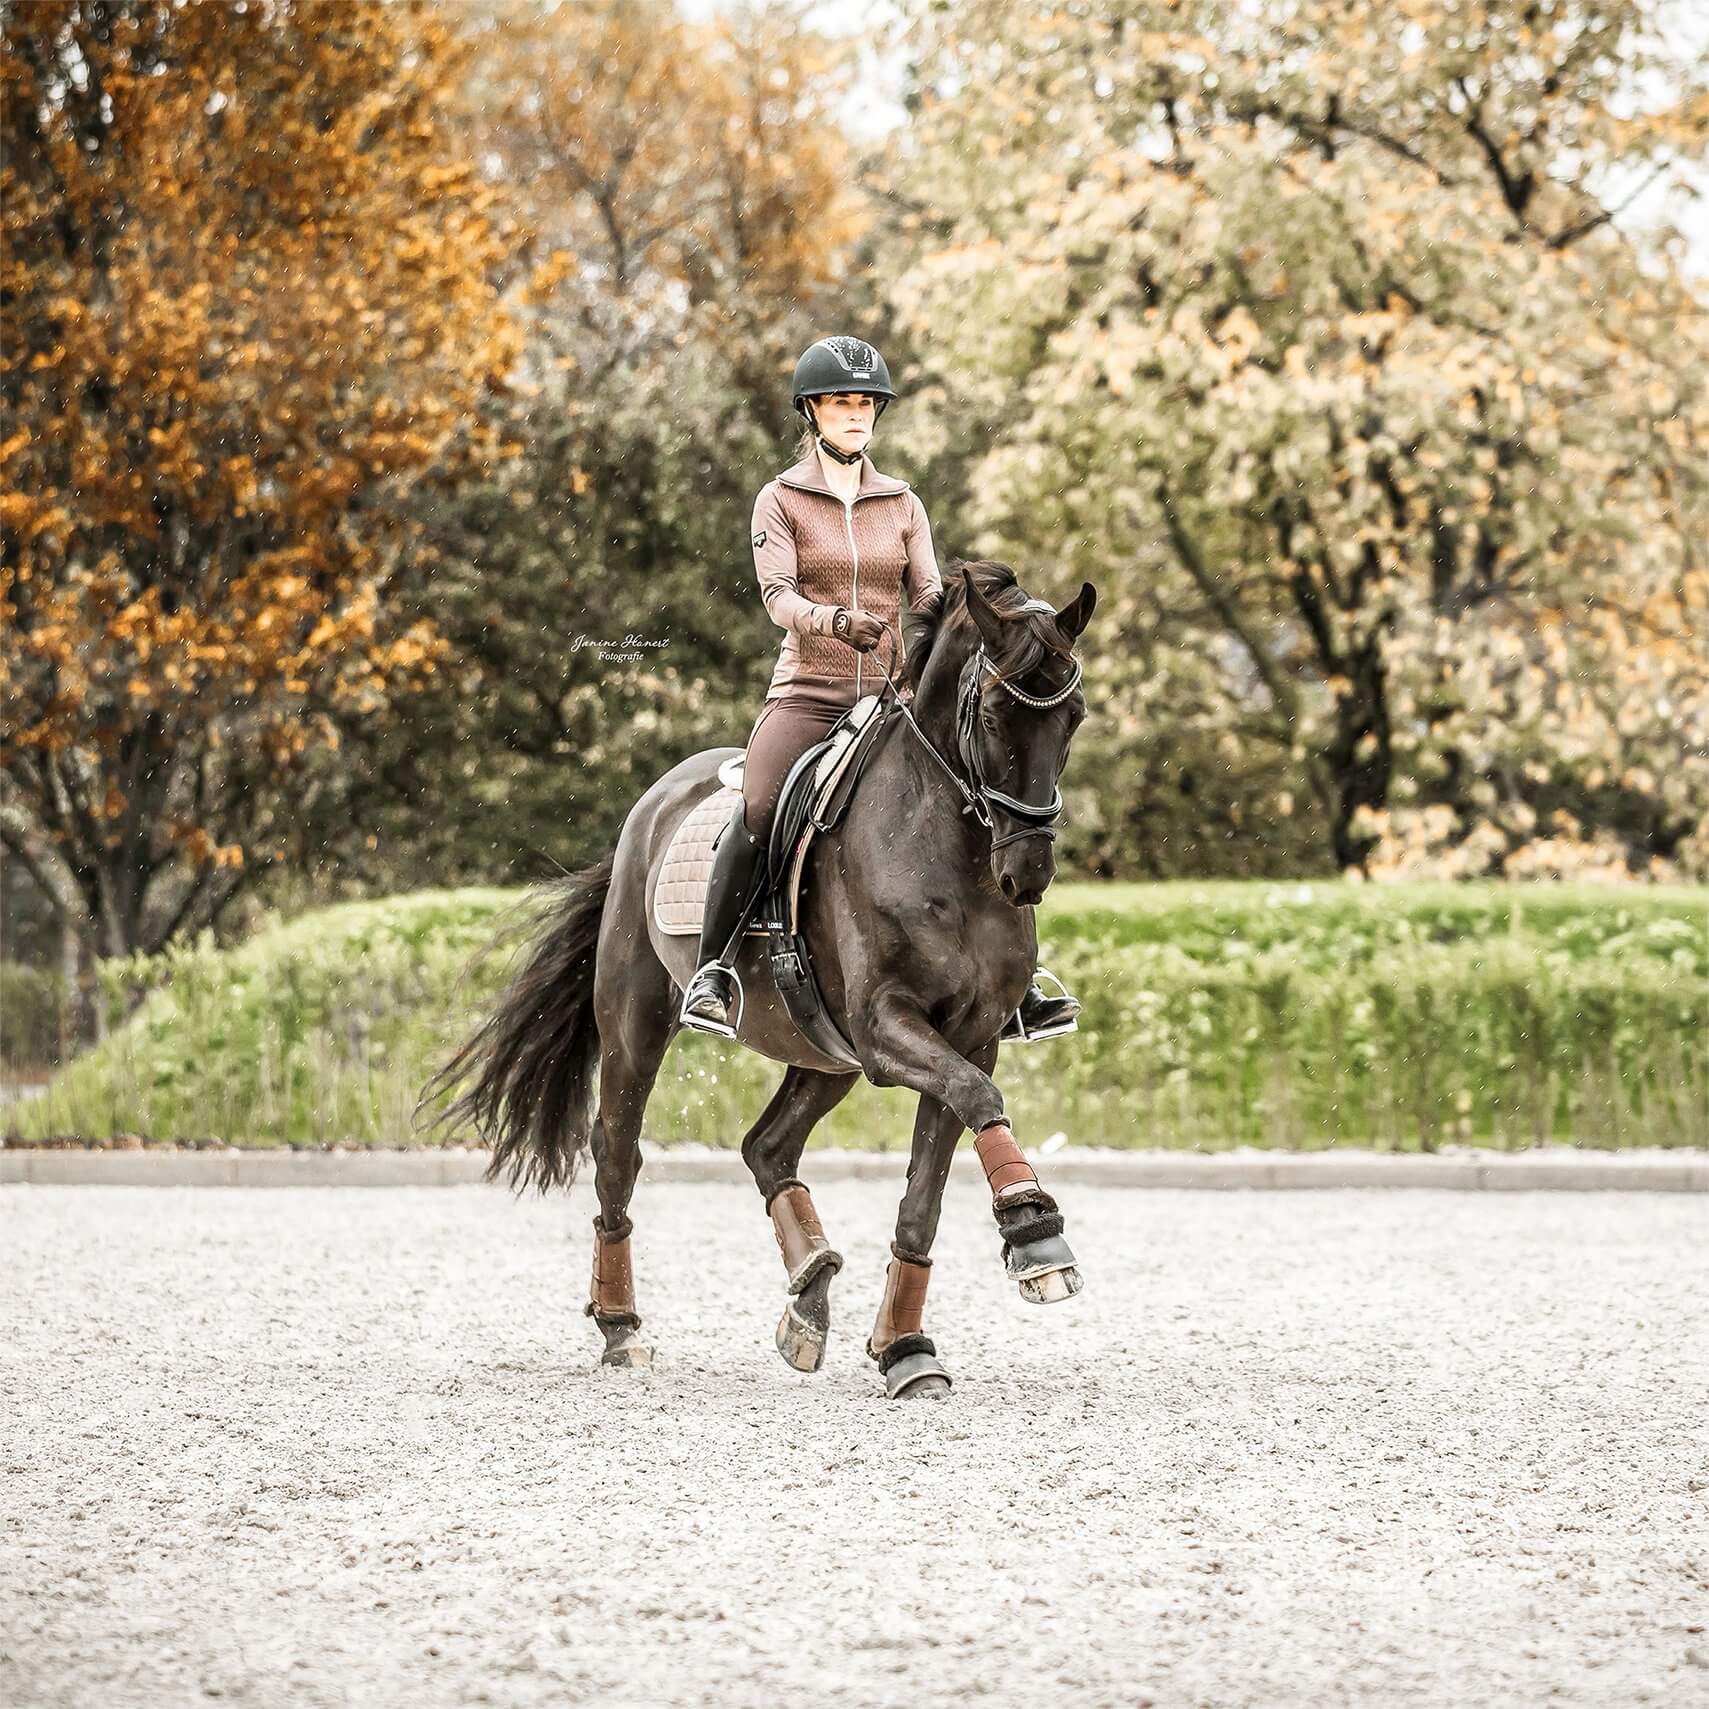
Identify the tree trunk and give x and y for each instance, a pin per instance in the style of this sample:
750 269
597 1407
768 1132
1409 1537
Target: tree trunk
82 1020
1361 754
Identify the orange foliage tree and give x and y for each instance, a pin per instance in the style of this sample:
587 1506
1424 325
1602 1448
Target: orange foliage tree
250 292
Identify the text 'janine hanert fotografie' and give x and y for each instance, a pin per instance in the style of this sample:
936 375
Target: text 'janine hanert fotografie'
629 648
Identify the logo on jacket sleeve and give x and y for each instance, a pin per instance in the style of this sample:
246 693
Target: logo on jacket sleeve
759 541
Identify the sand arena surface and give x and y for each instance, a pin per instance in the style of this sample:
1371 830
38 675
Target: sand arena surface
351 1447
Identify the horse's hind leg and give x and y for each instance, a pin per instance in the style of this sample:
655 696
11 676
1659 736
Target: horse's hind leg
634 1011
772 1150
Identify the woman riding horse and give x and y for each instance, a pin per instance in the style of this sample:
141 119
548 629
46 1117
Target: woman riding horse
920 913
834 542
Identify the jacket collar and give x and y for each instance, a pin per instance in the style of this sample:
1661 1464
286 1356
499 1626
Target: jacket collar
809 476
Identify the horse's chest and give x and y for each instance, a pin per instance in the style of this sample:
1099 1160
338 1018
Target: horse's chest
962 942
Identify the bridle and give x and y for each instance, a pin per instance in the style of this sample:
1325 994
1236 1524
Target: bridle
982 797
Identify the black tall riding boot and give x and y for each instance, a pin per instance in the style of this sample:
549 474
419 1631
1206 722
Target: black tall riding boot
737 872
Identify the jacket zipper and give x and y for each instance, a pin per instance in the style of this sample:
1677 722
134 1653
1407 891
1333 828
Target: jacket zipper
854 594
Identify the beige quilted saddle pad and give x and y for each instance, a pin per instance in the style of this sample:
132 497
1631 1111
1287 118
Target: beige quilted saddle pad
680 898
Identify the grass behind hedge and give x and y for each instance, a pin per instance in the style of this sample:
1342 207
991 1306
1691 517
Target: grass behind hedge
1280 1015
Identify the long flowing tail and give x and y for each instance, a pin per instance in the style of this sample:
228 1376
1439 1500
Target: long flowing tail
527 1073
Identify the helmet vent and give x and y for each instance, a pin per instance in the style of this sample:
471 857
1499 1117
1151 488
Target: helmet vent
856 355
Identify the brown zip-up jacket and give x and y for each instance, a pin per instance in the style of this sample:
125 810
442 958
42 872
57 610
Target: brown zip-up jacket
813 553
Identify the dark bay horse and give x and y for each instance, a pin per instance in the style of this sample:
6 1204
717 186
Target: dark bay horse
918 910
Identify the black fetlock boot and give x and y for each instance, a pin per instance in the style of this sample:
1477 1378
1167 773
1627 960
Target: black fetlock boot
738 869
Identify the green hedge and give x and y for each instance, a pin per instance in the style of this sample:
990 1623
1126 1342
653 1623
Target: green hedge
1284 1015
29 1015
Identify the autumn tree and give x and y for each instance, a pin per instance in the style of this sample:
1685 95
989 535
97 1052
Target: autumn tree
248 299
1321 326
683 205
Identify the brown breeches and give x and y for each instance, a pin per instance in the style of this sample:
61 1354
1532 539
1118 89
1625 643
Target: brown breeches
784 730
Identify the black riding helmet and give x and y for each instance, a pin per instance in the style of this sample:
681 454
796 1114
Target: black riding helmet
840 364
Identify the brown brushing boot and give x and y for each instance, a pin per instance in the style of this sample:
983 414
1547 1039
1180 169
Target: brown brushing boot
906 1356
810 1264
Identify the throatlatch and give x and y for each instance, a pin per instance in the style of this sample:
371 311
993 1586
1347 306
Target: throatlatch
1035 1254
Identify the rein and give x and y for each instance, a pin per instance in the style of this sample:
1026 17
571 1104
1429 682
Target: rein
979 800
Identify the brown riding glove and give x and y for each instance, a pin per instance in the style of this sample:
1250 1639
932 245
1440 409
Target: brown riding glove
857 629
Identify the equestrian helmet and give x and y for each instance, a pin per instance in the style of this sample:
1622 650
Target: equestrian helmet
841 364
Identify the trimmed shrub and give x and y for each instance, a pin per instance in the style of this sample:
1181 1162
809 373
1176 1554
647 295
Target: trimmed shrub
1276 1015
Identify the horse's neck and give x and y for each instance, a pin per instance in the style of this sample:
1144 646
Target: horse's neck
917 789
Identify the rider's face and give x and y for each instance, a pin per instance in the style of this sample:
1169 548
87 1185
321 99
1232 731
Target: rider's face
846 418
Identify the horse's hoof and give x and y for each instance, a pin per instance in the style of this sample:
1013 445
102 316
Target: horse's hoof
926 1388
916 1376
801 1343
1050 1286
631 1354
1043 1267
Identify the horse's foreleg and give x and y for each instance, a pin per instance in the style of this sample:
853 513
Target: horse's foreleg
905 1047
906 1355
772 1150
1036 1255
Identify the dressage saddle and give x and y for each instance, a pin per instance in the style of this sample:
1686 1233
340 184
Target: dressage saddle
815 796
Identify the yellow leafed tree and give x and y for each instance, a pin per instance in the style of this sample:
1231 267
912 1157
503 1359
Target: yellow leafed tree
1326 319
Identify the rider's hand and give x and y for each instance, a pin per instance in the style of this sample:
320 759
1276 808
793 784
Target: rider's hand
858 629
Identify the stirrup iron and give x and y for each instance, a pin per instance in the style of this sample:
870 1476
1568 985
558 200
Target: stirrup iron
1015 1029
699 1023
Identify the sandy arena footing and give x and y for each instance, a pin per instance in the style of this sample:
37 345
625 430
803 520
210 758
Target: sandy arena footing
315 1447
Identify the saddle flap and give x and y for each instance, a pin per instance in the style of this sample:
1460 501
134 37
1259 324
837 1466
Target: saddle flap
839 772
818 785
842 739
815 796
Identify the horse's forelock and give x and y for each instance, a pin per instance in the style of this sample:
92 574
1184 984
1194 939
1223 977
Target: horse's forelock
1030 628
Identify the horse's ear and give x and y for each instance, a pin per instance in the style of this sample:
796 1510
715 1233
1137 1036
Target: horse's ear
1077 613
